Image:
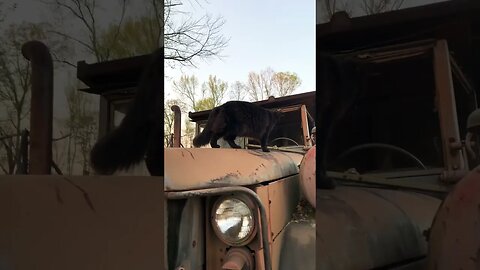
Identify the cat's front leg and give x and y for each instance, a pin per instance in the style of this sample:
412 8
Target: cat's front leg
263 143
213 141
231 141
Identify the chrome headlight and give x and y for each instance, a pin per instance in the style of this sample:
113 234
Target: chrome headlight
233 220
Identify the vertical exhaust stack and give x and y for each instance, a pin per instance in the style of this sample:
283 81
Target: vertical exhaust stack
41 112
177 126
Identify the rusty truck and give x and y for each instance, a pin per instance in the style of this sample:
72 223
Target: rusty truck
405 155
404 158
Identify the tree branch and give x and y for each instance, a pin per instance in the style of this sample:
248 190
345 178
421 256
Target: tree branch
72 38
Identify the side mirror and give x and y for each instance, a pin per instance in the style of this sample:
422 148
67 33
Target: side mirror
473 130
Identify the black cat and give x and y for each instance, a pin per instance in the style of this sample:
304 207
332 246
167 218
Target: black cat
338 86
238 118
140 133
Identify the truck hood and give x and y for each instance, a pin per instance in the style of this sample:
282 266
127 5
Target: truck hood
197 168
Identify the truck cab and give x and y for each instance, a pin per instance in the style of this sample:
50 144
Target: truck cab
243 207
404 143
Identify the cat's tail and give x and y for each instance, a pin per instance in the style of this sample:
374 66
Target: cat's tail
204 137
126 145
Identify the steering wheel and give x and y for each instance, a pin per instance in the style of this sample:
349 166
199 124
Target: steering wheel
382 145
284 138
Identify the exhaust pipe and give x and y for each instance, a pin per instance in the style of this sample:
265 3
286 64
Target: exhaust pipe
41 112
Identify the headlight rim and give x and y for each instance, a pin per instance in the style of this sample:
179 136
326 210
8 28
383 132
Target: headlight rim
253 208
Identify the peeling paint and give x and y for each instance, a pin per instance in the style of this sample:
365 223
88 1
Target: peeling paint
226 179
212 167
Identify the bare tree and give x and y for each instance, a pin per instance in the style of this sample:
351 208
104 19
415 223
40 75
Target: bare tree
212 92
82 126
187 87
83 24
8 157
238 91
85 14
188 38
379 6
260 85
268 83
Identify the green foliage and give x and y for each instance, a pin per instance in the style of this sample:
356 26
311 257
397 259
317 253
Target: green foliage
285 83
189 133
136 36
213 92
205 104
268 83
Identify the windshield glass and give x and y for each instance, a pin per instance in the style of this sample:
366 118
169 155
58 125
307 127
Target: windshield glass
394 124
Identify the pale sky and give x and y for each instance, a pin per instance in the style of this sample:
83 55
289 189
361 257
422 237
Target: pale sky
270 33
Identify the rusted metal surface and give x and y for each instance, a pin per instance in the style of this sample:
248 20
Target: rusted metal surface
196 168
283 197
305 129
455 21
413 182
242 190
464 82
453 176
77 222
308 176
111 75
177 125
191 237
454 237
41 112
343 33
216 249
365 228
454 159
298 248
280 199
239 258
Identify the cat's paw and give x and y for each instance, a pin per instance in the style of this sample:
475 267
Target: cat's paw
215 146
